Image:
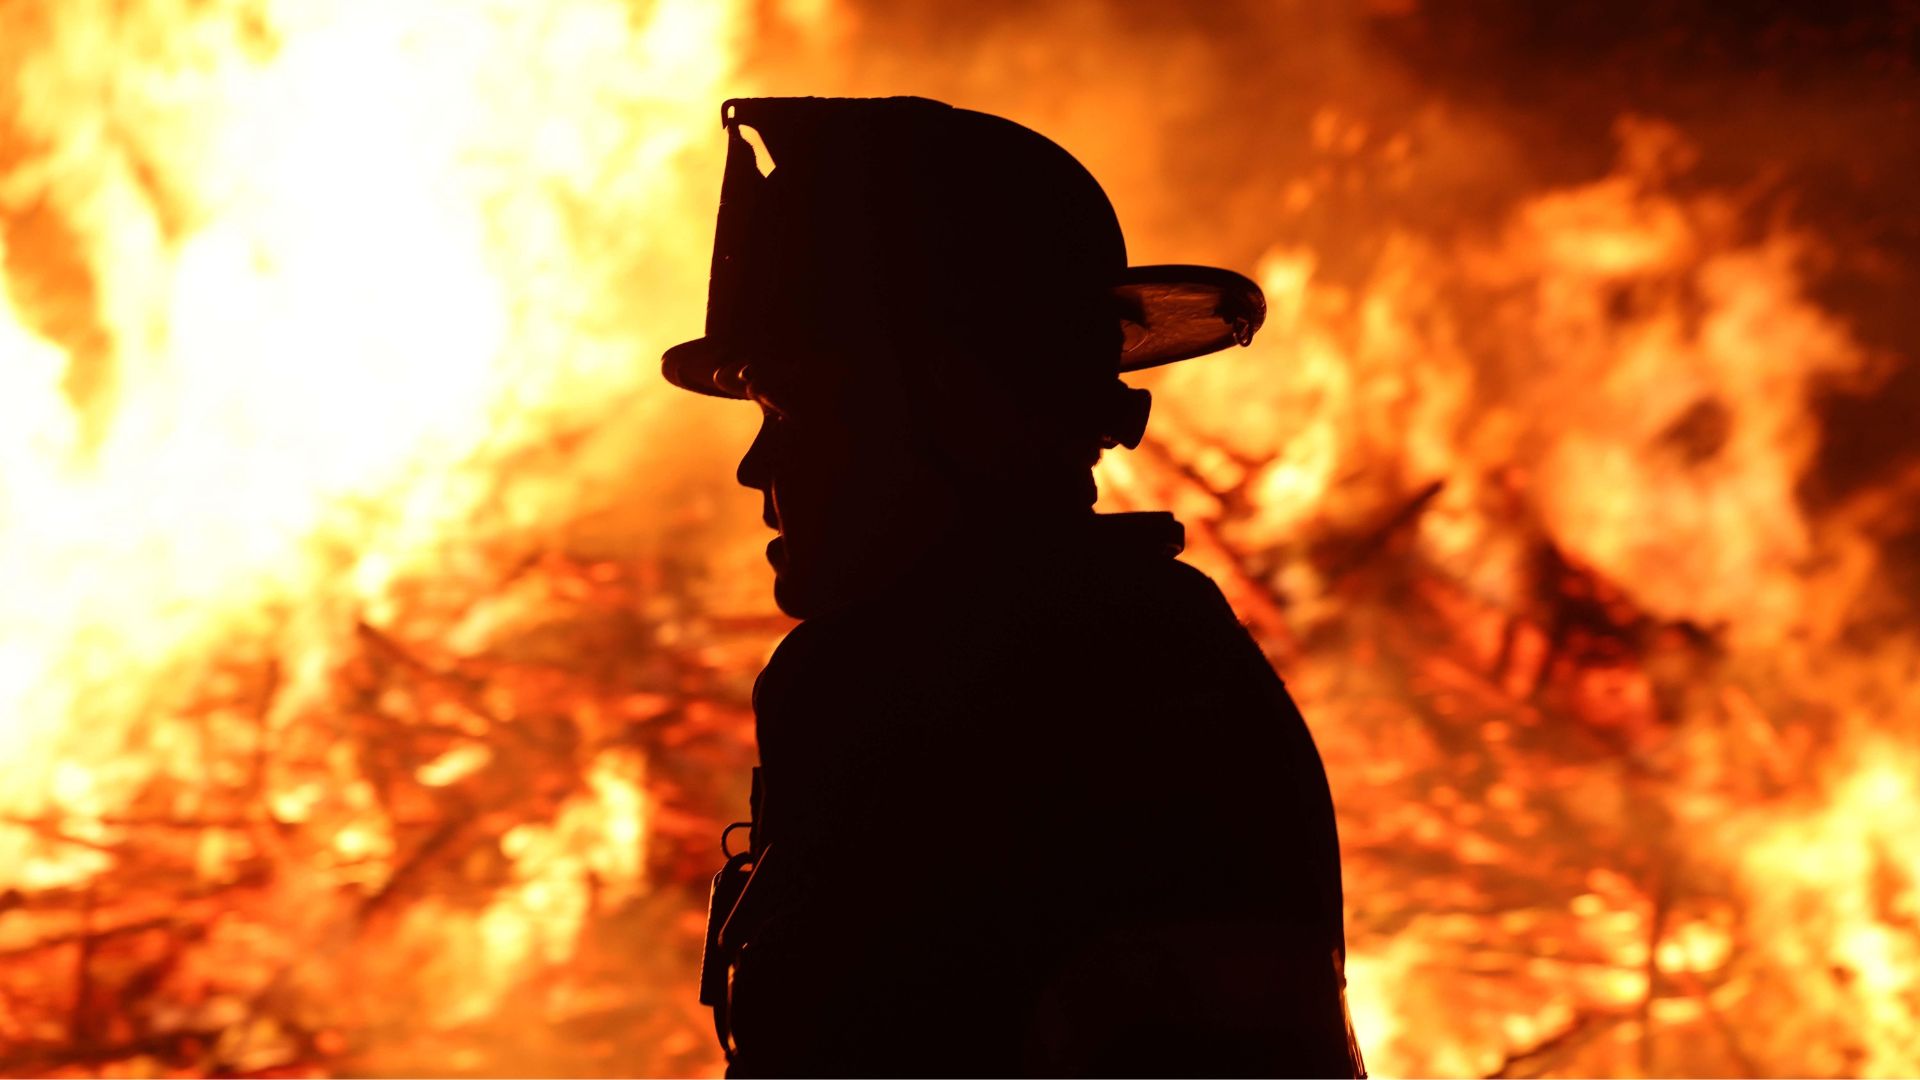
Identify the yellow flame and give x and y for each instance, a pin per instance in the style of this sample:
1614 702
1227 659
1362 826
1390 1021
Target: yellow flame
294 280
344 255
286 284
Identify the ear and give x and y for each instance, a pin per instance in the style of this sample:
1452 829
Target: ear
1123 415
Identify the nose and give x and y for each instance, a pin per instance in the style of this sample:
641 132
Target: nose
756 465
756 470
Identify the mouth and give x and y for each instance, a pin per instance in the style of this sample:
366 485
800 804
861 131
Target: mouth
777 554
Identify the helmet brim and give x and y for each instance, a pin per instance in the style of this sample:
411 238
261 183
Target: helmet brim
1167 314
704 367
1174 313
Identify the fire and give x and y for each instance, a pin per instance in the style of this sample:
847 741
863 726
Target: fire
334 289
1636 406
294 293
378 630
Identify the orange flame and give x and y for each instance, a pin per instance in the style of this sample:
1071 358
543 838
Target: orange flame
376 639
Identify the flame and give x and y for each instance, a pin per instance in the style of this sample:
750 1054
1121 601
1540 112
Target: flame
375 657
336 286
1635 394
292 287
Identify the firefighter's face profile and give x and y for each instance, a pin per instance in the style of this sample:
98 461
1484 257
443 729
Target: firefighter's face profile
843 482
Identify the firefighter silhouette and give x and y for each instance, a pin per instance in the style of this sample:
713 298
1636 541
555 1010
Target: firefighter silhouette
1031 801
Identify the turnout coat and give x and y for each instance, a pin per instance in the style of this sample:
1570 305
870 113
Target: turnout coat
1042 807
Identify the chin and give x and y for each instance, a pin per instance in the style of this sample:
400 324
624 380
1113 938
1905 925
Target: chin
794 599
808 596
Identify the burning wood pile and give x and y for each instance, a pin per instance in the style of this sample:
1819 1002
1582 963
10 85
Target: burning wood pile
477 862
377 639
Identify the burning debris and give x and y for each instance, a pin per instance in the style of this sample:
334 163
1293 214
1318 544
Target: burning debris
375 659
477 862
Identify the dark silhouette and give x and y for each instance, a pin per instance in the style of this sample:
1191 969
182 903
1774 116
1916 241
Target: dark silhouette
1031 801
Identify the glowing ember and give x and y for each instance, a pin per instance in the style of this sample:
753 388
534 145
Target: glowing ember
378 631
